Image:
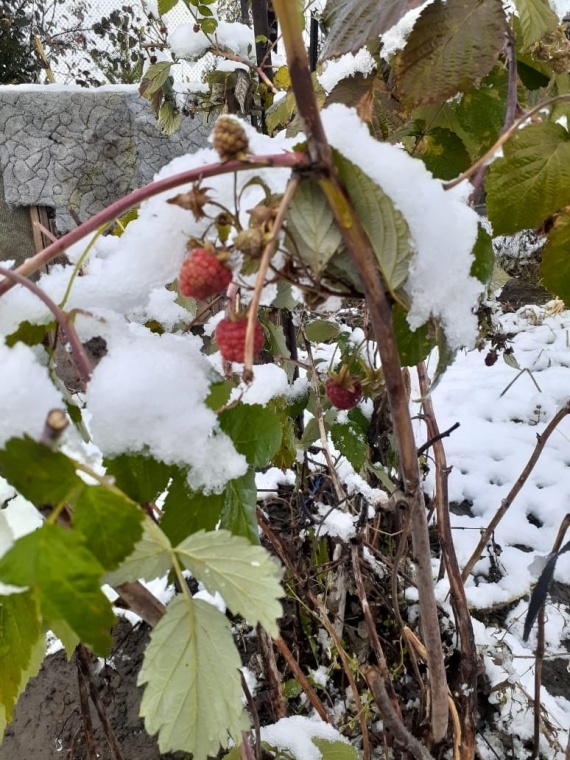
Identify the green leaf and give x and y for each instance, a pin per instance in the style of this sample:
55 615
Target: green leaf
443 153
19 634
484 263
481 113
451 47
384 224
152 558
536 19
193 690
37 657
142 478
245 575
157 74
39 474
532 180
29 333
555 266
310 221
219 394
208 25
413 346
311 433
255 432
335 750
353 23
110 522
322 330
166 5
65 578
186 511
239 513
350 440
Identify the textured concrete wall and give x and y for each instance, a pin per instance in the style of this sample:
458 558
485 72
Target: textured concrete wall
82 149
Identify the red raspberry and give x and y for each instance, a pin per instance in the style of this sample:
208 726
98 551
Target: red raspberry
342 397
230 337
202 274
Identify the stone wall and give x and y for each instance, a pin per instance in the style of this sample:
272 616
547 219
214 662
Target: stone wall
77 151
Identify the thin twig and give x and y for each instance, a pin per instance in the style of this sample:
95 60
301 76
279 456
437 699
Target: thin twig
86 715
312 695
254 715
513 493
83 364
277 701
511 56
120 207
83 662
429 443
290 191
468 663
245 750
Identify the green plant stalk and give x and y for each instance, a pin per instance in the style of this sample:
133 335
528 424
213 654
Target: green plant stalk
359 248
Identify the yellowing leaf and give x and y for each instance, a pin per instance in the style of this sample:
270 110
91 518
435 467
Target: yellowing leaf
451 47
193 690
245 575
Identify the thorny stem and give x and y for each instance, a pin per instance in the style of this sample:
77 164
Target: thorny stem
290 191
513 493
120 207
240 59
468 664
502 140
63 320
360 250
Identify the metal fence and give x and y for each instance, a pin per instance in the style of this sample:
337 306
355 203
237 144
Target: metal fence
109 41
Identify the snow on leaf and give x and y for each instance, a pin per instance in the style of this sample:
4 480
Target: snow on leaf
384 224
451 47
532 180
193 692
245 575
66 581
353 23
151 558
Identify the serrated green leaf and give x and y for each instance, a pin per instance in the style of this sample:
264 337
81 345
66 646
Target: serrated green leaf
443 152
19 634
353 23
186 511
166 5
192 696
65 578
384 224
152 558
484 263
239 513
142 478
255 432
157 74
51 479
413 346
445 358
532 181
351 442
335 750
536 19
555 266
322 330
481 113
219 394
451 47
37 656
245 575
110 522
310 221
28 333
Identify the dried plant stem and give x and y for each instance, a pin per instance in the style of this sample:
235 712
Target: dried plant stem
290 191
360 250
115 210
468 663
304 682
391 720
140 600
86 716
513 493
83 364
278 703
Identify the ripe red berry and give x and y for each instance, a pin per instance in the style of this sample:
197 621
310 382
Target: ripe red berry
230 337
342 397
202 274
